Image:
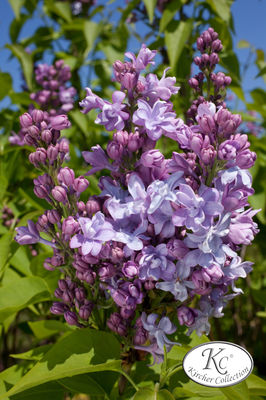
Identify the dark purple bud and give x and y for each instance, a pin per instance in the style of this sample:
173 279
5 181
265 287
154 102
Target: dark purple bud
201 286
208 155
66 176
206 37
107 271
197 60
60 122
141 336
149 285
214 59
89 276
34 131
205 59
25 120
71 318
52 152
41 191
47 136
81 206
114 150
58 293
40 155
212 274
200 45
64 146
30 141
59 194
227 80
42 223
85 311
80 294
117 254
130 269
186 316
80 184
70 226
37 115
54 84
193 83
62 284
121 137
92 207
58 308
134 142
53 216
152 158
67 296
126 313
217 45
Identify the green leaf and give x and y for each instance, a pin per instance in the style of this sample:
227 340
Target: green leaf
33 354
46 328
176 35
62 9
20 98
83 384
169 12
16 6
28 291
25 60
242 44
5 84
5 243
257 201
52 390
150 7
80 120
91 32
236 392
80 352
256 385
221 8
20 260
261 314
150 394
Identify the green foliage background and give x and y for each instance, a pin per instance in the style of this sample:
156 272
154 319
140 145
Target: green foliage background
41 356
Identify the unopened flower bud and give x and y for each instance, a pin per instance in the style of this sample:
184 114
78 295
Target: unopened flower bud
80 184
52 153
66 176
47 136
92 207
25 120
70 226
59 194
37 115
60 122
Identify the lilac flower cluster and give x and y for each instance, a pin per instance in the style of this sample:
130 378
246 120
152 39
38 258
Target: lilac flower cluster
56 96
162 232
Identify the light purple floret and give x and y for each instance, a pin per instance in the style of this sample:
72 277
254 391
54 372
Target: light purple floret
158 330
154 263
156 120
30 235
95 231
112 115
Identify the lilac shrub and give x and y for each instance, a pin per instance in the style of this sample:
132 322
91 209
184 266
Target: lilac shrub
56 97
159 247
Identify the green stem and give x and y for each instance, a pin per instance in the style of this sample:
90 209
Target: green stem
169 373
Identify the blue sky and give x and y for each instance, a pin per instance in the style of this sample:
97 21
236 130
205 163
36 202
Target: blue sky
249 17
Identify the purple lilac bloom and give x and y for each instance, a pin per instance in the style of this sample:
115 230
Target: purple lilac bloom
143 59
30 235
97 159
156 120
95 231
158 330
196 211
91 101
112 115
154 263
